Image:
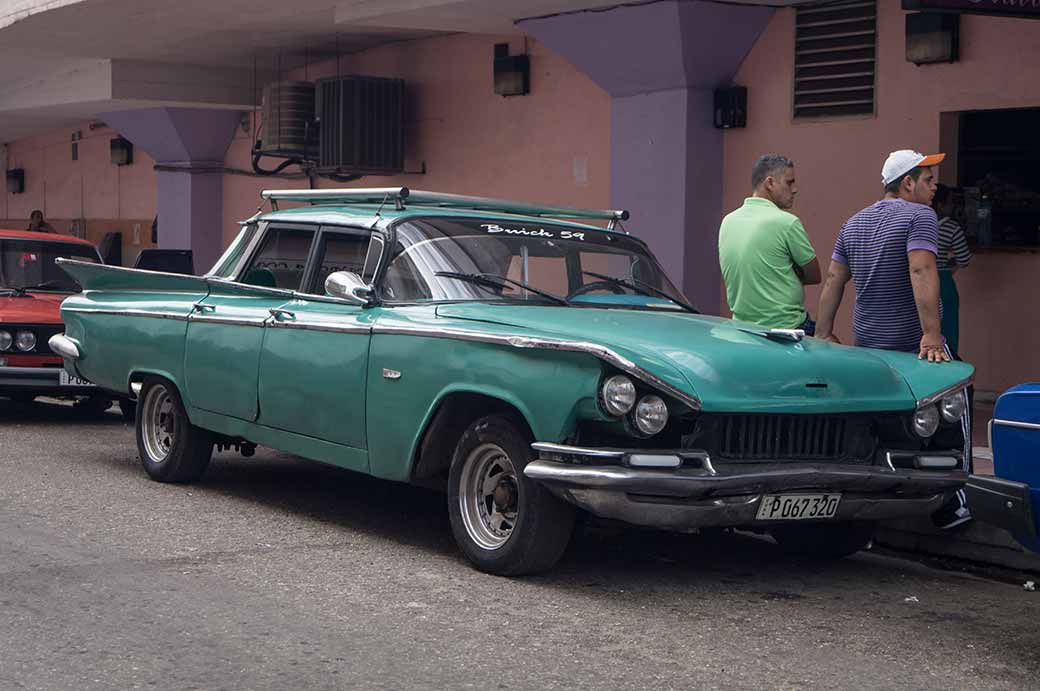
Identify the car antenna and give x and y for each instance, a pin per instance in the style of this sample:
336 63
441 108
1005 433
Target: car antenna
380 208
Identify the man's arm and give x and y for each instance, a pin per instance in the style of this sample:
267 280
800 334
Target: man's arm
830 298
808 274
925 280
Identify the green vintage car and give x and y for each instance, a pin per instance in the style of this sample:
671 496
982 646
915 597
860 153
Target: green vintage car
528 365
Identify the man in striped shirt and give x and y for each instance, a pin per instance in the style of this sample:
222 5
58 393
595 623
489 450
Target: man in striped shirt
889 251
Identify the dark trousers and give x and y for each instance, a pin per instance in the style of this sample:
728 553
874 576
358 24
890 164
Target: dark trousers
808 326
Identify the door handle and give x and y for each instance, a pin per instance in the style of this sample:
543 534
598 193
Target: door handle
203 308
278 313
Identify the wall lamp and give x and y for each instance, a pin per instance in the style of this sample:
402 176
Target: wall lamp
512 72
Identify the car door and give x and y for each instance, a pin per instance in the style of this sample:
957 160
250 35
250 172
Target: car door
315 356
226 330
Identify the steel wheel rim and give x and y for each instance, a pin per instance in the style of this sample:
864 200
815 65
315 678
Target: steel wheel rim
489 496
158 423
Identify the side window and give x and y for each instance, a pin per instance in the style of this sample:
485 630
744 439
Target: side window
281 259
339 252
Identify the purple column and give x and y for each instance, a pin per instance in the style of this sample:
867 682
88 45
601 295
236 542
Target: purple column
189 143
660 63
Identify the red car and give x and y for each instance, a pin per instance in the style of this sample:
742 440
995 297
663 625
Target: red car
31 290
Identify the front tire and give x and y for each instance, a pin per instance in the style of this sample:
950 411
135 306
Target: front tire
505 523
824 540
171 448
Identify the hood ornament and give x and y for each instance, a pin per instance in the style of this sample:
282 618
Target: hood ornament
791 335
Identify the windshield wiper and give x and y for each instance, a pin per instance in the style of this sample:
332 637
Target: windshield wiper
53 285
642 288
13 290
496 281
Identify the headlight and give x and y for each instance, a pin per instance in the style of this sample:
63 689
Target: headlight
6 340
619 394
651 415
926 421
25 340
952 407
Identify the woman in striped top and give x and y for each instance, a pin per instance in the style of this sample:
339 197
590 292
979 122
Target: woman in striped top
953 255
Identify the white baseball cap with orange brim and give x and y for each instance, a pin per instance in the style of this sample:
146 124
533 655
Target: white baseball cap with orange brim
901 162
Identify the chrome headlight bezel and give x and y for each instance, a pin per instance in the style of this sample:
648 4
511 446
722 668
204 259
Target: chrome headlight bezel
925 422
6 341
650 415
25 340
618 395
952 407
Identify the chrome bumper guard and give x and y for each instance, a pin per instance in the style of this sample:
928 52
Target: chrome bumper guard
64 346
684 488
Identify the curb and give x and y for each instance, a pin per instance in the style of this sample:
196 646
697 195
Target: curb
974 541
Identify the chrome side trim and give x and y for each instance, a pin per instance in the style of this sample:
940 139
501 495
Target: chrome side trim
64 346
230 321
564 450
936 397
129 313
602 352
1015 423
332 327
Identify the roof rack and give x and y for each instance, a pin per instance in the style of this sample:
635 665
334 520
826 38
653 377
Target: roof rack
403 197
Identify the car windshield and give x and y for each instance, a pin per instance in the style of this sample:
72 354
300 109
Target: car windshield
29 265
446 259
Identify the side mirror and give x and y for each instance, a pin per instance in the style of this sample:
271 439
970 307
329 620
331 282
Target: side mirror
348 286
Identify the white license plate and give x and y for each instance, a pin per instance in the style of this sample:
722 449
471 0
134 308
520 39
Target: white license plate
795 507
66 379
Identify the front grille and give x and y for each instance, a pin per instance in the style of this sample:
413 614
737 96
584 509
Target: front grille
765 437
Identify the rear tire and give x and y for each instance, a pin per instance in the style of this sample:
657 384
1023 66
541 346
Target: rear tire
171 448
505 523
824 540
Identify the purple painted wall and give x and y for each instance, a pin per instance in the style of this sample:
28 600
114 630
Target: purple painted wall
190 203
660 63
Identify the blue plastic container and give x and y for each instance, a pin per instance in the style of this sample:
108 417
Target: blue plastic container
1016 445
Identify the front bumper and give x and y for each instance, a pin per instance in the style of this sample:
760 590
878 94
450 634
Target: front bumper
43 381
702 493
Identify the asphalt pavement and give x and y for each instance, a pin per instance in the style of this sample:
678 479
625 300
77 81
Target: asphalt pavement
278 573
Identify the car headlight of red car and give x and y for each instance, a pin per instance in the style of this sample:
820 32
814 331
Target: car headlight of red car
6 340
25 341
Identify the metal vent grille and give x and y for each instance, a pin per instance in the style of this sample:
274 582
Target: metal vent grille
771 437
834 62
361 125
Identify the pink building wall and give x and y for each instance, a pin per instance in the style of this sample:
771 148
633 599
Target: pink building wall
838 163
90 192
550 146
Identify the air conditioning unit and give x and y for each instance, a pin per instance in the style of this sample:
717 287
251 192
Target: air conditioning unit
361 121
288 128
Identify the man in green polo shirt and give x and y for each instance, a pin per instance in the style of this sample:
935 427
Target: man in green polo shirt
765 254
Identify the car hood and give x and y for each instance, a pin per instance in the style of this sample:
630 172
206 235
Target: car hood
730 365
34 308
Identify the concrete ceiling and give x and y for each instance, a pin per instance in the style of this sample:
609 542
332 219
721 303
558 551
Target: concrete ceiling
62 61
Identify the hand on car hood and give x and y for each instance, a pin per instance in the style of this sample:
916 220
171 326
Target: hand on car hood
729 365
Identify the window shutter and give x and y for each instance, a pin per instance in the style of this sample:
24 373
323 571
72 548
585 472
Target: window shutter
834 62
